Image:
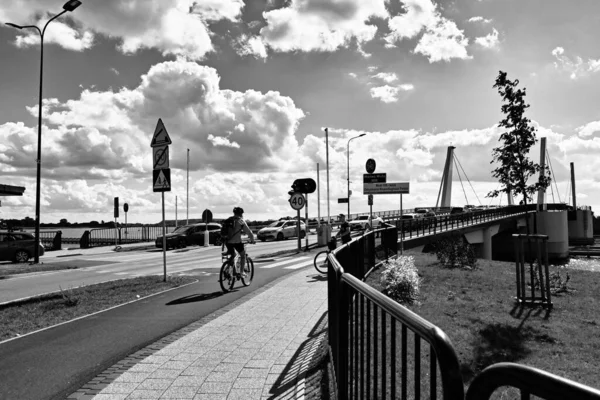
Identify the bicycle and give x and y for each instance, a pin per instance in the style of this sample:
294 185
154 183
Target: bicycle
321 261
229 273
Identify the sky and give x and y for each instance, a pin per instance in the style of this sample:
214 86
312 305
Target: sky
248 86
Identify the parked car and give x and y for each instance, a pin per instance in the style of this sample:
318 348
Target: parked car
18 247
280 230
192 234
363 222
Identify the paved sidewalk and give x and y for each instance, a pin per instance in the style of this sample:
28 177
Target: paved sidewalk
266 345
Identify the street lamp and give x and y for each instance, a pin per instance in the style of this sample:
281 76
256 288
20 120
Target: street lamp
68 6
348 157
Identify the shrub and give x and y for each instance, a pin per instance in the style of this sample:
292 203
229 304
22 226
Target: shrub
400 280
455 252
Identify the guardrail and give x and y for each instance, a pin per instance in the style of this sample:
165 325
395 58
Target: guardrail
362 321
109 236
530 381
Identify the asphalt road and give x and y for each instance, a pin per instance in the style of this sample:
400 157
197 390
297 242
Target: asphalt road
54 363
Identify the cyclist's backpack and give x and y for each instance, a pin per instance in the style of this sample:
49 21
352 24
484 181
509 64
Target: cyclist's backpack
227 229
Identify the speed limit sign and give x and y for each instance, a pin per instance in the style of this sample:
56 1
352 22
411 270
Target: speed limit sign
297 201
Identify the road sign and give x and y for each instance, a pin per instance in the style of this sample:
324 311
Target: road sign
343 200
370 165
207 216
386 188
162 180
160 137
160 157
370 200
297 201
374 178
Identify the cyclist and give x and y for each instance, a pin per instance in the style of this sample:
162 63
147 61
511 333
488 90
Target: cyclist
344 231
233 241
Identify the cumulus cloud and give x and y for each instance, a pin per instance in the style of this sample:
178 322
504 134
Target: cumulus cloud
480 19
588 129
442 39
489 41
576 68
387 77
173 27
321 25
389 94
251 46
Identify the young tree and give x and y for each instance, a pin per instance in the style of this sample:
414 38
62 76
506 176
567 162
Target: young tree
515 167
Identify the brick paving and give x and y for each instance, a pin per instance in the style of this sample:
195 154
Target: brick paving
267 345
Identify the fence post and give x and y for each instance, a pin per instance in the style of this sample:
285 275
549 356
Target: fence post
343 321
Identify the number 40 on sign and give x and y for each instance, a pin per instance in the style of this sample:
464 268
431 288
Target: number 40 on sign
297 201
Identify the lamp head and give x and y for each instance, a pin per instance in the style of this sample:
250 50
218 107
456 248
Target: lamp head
14 25
71 5
362 135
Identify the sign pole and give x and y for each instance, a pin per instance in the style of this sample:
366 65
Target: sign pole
164 226
298 230
125 227
206 239
318 198
306 222
116 234
401 228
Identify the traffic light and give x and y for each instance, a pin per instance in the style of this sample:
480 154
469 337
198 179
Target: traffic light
116 207
307 185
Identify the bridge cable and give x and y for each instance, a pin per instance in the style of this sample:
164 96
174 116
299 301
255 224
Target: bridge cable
553 176
491 198
461 183
456 158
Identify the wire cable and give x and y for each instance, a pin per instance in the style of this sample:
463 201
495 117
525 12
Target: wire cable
553 176
457 160
491 198
461 183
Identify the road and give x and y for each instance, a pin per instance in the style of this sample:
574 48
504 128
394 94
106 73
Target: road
96 268
53 363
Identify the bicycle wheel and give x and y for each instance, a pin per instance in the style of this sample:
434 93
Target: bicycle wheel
226 277
321 261
249 272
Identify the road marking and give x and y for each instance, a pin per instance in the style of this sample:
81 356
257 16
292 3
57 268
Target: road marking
277 264
297 266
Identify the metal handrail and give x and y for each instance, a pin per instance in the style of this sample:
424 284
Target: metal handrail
531 381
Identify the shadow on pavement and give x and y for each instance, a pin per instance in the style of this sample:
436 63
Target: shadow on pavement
317 278
195 298
295 380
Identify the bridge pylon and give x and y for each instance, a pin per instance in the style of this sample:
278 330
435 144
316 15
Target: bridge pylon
446 184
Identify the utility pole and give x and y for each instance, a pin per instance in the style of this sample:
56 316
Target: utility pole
187 206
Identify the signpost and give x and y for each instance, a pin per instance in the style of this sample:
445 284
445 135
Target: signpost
297 201
386 188
206 218
343 200
116 216
125 208
161 176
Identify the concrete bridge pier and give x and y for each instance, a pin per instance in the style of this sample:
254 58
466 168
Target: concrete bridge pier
482 240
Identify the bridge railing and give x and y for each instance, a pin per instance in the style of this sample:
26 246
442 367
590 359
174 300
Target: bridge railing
364 324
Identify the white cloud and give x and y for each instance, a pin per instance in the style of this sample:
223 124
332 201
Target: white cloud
173 27
480 19
221 141
61 34
489 41
588 129
576 68
352 74
442 39
387 77
389 94
252 46
321 25
443 42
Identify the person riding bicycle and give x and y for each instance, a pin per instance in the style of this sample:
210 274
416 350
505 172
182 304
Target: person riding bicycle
233 240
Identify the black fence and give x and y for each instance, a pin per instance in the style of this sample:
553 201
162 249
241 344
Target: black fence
382 350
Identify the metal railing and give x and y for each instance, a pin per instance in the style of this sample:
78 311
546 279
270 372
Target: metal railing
530 381
108 236
363 323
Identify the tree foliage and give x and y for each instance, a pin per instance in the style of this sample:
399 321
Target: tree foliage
515 168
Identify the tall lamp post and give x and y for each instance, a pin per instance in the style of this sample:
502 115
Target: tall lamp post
69 6
348 157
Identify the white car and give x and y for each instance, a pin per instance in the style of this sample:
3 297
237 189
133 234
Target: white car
280 230
363 222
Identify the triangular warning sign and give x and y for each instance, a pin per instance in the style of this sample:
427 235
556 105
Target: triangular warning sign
162 180
161 137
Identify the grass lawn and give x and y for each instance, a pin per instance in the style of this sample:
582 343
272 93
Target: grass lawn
476 309
51 309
